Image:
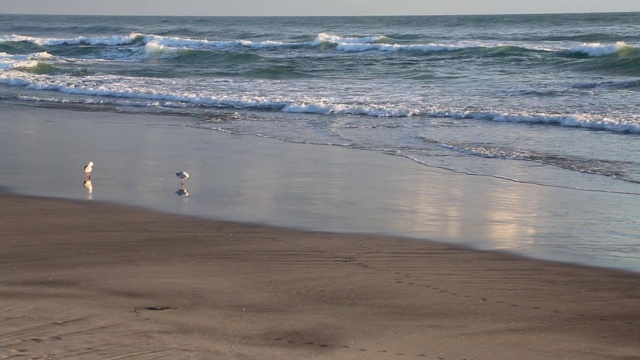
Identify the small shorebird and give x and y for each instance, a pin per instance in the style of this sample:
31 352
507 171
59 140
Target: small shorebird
183 176
87 170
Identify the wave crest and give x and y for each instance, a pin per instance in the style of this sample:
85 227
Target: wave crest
597 49
325 38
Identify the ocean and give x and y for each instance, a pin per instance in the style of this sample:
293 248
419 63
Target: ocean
548 100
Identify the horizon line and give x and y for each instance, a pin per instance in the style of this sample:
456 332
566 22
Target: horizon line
292 16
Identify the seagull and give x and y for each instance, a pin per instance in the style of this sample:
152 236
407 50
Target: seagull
87 170
183 176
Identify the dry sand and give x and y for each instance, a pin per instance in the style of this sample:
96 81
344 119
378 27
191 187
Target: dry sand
83 280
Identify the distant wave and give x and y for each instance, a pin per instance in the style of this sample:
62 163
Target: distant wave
597 49
180 43
382 43
325 38
147 40
79 40
8 61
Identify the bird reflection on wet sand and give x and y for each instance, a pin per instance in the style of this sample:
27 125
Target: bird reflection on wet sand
182 191
89 186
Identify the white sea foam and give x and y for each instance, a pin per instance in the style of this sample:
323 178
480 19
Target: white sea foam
374 43
156 48
577 120
101 40
335 39
597 49
8 61
182 43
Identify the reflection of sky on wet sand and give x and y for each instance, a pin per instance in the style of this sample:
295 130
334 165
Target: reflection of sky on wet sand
448 207
511 229
313 187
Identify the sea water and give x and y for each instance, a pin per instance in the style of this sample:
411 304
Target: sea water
547 100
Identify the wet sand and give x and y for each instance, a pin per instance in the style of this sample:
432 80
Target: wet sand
88 280
324 188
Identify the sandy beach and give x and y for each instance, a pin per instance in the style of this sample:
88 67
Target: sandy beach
87 280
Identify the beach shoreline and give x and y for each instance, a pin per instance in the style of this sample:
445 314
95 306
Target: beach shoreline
249 179
94 280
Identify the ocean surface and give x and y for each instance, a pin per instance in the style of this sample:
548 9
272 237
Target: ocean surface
549 100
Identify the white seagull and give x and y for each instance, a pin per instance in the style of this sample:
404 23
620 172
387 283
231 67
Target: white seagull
87 170
183 176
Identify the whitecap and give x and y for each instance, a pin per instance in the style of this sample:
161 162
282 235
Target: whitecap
597 49
323 38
